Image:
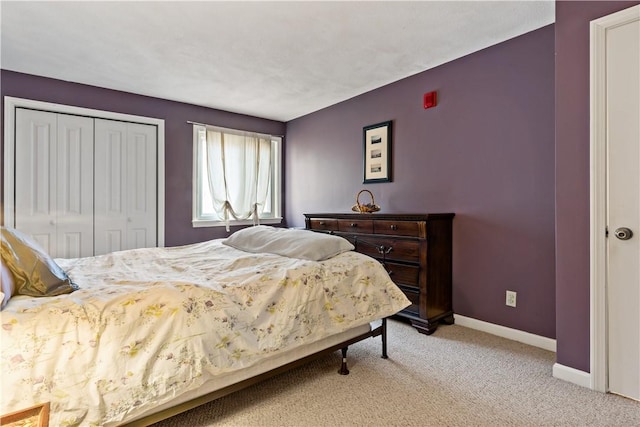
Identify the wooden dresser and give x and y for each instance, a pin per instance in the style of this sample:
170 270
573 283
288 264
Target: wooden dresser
416 251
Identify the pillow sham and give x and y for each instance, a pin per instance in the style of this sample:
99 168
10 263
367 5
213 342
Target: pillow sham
34 272
292 243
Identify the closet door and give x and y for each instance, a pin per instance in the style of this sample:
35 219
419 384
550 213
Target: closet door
54 181
74 219
125 186
36 176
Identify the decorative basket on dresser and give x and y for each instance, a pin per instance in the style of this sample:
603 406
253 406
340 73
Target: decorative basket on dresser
416 251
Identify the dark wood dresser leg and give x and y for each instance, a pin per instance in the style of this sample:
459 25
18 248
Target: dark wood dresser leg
449 320
424 326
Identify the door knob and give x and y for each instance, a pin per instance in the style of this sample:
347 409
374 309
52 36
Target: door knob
623 233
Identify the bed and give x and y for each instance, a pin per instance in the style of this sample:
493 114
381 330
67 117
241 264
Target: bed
152 332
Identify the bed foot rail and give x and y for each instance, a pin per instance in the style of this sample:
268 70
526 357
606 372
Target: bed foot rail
343 368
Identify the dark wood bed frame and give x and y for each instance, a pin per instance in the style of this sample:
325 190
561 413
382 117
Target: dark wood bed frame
343 346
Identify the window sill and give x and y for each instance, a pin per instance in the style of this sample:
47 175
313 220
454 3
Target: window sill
206 223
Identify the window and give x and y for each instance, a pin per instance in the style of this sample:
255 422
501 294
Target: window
237 177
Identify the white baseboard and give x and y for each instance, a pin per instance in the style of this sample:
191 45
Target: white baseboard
571 375
502 331
560 372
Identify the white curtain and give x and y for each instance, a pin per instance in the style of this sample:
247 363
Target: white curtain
239 172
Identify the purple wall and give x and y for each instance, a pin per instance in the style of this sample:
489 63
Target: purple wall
178 137
486 152
572 177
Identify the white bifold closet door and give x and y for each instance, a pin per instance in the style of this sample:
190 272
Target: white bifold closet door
54 181
85 186
125 194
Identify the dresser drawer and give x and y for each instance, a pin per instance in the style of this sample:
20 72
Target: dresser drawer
398 228
324 224
414 297
406 275
406 250
355 226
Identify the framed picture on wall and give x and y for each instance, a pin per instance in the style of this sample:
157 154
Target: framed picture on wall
377 152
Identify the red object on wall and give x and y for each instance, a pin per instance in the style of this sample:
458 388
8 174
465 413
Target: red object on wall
430 99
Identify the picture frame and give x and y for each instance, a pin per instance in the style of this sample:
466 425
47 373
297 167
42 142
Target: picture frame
377 152
36 416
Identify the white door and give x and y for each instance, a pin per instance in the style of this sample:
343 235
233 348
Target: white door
623 194
54 181
35 176
74 218
125 187
48 184
141 185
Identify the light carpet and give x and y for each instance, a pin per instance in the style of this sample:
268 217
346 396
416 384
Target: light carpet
455 377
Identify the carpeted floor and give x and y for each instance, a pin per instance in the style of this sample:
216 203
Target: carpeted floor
455 377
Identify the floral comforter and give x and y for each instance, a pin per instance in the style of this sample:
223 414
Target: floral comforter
150 324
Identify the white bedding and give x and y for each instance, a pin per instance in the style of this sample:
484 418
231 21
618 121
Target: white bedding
149 325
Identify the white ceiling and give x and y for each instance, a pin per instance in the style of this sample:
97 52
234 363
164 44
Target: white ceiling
277 60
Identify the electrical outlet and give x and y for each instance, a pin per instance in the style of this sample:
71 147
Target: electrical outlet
511 298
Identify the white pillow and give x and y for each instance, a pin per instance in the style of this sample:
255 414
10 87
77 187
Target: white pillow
292 243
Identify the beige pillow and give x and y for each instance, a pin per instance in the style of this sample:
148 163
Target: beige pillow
34 272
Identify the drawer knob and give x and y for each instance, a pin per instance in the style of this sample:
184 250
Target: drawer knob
353 224
322 223
394 227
